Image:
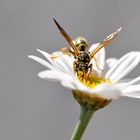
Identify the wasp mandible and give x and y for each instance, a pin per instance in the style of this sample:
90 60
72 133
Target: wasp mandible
81 64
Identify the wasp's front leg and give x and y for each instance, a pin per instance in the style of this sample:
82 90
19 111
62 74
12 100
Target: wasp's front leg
90 70
67 51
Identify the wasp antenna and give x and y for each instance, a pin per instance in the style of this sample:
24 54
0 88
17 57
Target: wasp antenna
66 36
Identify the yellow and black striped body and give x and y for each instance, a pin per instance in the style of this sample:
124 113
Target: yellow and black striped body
82 63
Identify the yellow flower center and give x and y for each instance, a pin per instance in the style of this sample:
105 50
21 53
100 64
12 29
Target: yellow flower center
92 80
93 100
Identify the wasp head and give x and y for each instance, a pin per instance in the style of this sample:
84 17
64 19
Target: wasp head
81 43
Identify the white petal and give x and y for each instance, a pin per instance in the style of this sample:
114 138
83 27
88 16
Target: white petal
59 64
47 55
65 79
49 74
108 91
93 47
132 88
111 62
68 84
123 66
132 95
134 81
111 71
105 91
100 56
41 61
52 74
123 84
62 63
132 91
68 60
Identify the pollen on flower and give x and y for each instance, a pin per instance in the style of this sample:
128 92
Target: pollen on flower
93 80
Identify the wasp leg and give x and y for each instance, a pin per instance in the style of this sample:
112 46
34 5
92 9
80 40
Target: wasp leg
84 75
74 67
90 71
55 55
97 65
67 51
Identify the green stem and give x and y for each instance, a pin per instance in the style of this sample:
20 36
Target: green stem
85 116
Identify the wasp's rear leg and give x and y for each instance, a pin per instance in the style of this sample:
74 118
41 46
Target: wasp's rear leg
84 75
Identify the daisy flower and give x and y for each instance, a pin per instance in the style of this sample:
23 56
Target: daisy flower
105 83
104 86
108 84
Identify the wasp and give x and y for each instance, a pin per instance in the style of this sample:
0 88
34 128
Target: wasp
79 50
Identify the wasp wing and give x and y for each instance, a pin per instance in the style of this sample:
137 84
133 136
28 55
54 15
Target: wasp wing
66 36
105 42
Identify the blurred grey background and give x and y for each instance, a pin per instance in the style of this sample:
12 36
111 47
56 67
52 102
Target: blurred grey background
35 109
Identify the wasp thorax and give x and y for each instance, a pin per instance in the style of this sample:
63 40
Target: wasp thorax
84 57
81 43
